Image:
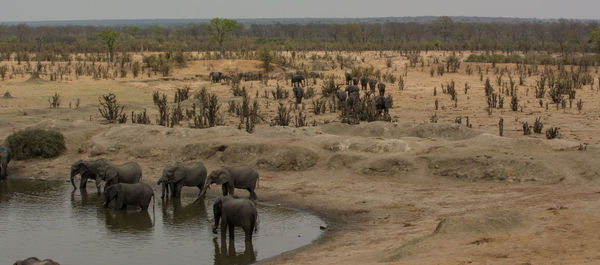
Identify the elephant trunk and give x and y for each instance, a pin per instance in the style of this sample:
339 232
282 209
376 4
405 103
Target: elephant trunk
73 179
3 169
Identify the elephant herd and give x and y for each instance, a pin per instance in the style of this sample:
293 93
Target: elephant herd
122 184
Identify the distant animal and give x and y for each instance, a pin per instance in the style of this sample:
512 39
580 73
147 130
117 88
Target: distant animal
137 194
298 80
354 81
383 104
363 82
88 170
299 94
36 261
238 177
215 77
353 95
313 75
381 87
372 85
129 172
179 176
233 211
5 156
348 78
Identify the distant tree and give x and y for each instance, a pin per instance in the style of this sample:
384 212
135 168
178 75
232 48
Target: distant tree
110 39
218 29
595 39
443 26
266 56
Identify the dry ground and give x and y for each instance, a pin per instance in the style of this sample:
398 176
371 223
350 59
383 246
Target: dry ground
407 192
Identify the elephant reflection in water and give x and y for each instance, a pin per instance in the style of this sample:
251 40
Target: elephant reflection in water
86 199
223 255
129 221
183 214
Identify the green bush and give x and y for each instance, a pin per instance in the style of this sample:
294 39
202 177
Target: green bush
36 143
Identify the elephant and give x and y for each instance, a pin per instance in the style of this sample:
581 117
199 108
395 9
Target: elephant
354 82
215 77
130 172
225 255
381 88
348 78
383 104
137 194
363 82
353 95
372 85
88 170
298 93
241 177
313 75
234 211
341 96
298 80
192 175
5 156
36 261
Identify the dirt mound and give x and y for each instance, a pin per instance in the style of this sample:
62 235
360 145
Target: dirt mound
343 161
7 95
361 144
448 131
497 168
287 132
454 230
245 153
386 167
290 158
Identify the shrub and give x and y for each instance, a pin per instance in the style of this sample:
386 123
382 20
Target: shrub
36 143
110 109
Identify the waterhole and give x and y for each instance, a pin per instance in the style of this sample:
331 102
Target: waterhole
47 219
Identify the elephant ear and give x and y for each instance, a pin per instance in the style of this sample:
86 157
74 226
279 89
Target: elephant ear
223 177
178 174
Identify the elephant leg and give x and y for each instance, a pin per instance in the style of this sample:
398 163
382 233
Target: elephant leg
252 194
231 231
224 189
82 182
98 184
162 190
223 228
248 233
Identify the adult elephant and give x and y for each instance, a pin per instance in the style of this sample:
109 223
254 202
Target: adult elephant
137 194
234 211
36 261
192 175
341 96
237 177
298 94
348 78
215 77
363 82
372 85
298 80
5 156
383 104
130 172
88 170
381 88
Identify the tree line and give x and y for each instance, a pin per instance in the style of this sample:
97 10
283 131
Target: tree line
562 36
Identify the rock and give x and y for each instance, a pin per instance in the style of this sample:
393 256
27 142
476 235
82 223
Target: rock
323 227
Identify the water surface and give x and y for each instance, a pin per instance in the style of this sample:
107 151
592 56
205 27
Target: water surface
48 220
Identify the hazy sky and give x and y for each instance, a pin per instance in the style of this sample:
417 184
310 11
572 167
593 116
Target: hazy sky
28 10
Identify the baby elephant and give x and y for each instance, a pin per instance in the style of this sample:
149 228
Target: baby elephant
36 261
239 177
137 194
233 211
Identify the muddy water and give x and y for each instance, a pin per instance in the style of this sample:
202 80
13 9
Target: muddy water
46 219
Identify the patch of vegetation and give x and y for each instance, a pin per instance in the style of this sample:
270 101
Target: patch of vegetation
36 143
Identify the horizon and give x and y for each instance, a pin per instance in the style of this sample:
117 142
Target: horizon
85 10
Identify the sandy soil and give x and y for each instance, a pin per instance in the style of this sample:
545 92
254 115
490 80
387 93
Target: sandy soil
407 192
